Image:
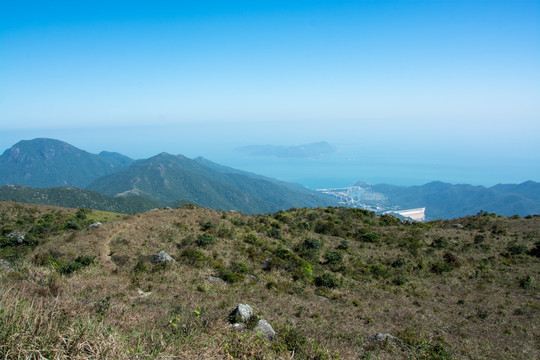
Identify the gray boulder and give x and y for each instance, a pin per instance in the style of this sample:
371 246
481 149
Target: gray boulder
215 279
94 225
381 337
265 329
17 237
162 257
242 313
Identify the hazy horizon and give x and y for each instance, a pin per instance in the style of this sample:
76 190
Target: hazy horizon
408 91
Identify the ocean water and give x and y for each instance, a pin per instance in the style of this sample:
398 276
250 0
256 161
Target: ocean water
345 168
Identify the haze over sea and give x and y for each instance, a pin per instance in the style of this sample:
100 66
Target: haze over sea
408 91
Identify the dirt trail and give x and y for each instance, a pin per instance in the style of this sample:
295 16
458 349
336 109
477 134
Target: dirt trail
113 230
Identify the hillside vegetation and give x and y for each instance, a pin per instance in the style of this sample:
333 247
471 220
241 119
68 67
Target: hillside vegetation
77 198
327 279
162 179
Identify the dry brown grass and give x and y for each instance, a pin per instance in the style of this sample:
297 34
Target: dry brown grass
476 310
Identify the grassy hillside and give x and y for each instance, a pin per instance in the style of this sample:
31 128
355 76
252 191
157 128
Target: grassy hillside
328 280
166 178
77 198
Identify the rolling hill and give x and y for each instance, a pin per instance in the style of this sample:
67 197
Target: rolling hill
77 198
166 178
46 163
443 200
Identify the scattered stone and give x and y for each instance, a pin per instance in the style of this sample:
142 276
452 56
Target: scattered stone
161 257
5 265
242 313
407 222
323 298
167 208
458 226
143 293
251 277
265 329
243 318
94 225
238 326
381 337
17 236
215 279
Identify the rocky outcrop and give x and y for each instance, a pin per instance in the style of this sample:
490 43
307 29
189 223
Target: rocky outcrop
242 314
265 329
16 237
162 257
94 225
243 318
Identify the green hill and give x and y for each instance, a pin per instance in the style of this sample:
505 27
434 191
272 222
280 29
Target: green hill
77 198
334 283
443 200
49 163
167 178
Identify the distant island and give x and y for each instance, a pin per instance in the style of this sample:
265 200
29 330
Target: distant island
313 150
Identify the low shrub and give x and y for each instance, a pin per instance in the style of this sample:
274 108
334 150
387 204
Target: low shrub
333 257
203 240
328 280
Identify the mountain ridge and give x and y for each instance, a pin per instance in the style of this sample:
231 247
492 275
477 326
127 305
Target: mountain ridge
445 200
43 162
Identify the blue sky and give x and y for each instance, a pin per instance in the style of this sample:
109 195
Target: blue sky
432 82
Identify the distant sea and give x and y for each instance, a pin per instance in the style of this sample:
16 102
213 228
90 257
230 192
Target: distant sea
347 167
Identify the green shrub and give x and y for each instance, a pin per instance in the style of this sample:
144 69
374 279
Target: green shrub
478 239
441 267
275 233
526 282
328 280
440 243
193 257
535 251
251 239
284 253
333 257
327 227
399 280
399 262
498 230
203 240
386 219
343 245
311 244
82 213
75 265
516 249
378 271
302 271
309 249
367 236
239 267
6 230
290 339
231 277
207 225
